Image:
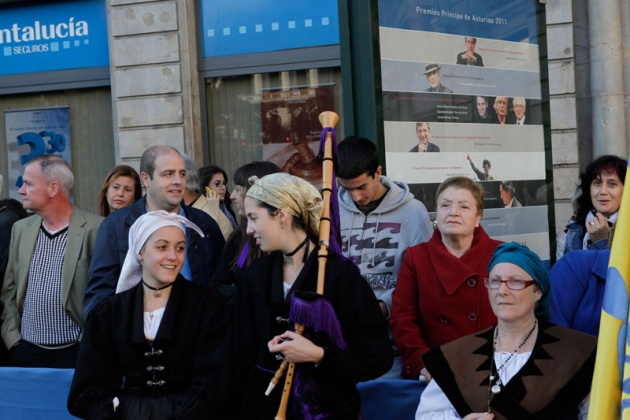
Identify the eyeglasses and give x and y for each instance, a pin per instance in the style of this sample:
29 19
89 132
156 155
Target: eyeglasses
512 284
219 184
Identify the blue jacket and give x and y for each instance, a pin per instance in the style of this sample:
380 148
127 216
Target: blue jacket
578 281
112 243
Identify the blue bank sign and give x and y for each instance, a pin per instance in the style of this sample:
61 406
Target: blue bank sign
53 36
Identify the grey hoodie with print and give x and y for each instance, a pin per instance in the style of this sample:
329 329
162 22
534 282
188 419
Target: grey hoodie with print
376 242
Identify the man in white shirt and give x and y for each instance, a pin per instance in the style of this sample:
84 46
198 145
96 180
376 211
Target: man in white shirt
519 111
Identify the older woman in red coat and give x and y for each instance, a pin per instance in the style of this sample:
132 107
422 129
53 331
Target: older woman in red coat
439 294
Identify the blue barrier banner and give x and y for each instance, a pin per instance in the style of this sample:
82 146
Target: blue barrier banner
33 132
53 36
244 26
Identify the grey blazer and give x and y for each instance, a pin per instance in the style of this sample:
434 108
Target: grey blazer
82 232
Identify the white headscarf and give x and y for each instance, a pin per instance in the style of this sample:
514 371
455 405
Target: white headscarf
145 225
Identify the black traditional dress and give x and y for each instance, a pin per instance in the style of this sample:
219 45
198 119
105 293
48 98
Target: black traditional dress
181 374
329 388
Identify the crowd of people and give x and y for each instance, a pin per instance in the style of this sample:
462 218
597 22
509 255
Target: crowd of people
188 301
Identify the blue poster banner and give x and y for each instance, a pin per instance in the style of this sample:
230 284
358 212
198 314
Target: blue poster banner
243 26
462 96
53 36
33 132
508 20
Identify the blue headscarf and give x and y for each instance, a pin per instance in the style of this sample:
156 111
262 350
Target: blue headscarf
520 255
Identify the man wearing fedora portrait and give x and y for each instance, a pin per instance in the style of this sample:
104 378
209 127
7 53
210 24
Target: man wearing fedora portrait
432 71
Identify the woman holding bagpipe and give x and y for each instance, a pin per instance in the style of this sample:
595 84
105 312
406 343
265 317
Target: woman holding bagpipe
344 340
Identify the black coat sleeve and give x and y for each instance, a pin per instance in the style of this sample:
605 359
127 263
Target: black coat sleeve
210 363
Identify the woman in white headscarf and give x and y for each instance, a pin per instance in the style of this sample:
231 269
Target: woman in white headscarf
158 348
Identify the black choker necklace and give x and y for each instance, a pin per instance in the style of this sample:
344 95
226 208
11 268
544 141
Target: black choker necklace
287 257
157 289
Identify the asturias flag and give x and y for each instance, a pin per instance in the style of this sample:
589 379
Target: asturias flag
610 391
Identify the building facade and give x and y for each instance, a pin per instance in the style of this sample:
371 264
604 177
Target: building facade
229 82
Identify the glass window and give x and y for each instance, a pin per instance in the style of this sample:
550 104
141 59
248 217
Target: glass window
271 116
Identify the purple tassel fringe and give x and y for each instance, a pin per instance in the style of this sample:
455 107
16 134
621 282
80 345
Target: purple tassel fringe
307 396
316 313
319 316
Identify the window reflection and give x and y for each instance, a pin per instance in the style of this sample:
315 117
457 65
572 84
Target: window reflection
271 116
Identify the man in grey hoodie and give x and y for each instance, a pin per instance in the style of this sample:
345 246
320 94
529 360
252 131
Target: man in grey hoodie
379 217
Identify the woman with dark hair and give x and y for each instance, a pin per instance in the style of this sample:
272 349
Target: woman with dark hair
283 214
240 250
214 181
121 188
601 187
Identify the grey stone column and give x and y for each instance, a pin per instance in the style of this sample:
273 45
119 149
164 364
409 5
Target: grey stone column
607 78
562 63
153 61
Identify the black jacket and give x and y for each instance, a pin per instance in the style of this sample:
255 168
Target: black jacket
114 353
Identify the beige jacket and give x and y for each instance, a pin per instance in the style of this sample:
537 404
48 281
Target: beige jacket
211 206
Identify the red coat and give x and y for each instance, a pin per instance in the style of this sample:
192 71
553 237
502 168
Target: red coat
439 297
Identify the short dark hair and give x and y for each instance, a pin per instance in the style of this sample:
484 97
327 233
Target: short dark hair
150 155
474 40
241 178
486 162
259 169
605 164
356 156
508 187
